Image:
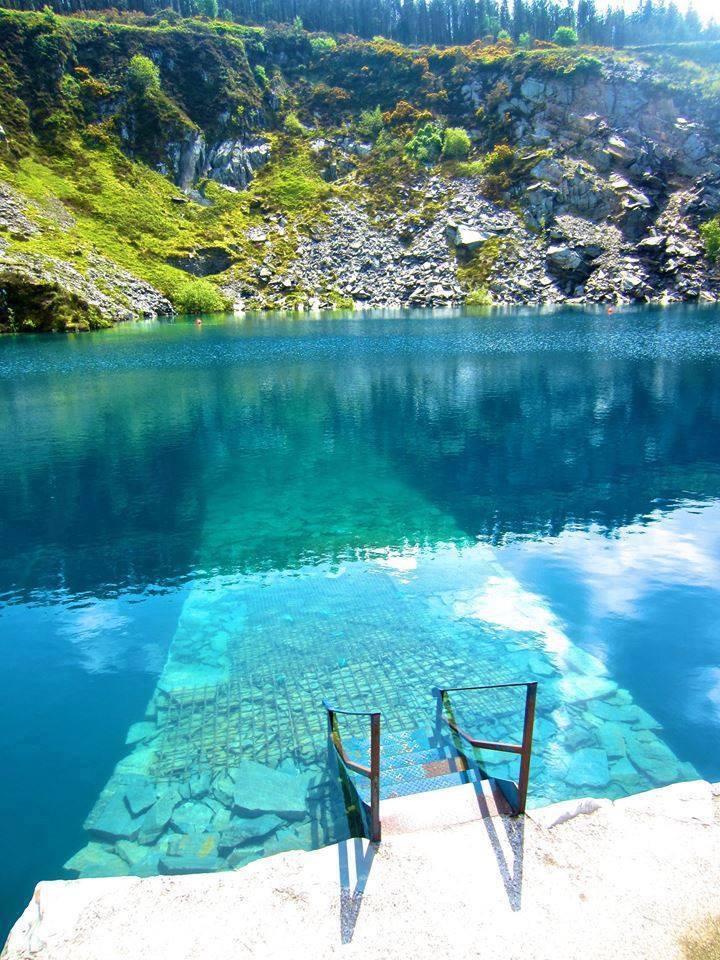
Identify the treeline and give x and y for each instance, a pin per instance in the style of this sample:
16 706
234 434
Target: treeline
436 21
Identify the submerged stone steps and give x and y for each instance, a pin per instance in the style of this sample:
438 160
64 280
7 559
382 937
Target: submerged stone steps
418 762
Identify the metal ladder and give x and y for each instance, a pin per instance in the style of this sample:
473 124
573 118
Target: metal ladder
515 793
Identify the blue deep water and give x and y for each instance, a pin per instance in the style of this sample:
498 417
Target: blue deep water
206 530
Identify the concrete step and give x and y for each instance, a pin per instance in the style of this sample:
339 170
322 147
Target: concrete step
439 809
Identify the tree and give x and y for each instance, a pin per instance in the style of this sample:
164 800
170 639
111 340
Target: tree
142 75
436 21
565 37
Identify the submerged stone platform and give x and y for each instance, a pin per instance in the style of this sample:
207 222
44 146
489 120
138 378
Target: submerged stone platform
595 879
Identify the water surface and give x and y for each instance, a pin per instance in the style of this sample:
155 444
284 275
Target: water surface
205 530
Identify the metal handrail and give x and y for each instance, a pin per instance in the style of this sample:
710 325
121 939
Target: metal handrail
524 749
373 771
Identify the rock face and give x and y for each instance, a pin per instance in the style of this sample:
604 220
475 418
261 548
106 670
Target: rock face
611 172
51 294
616 183
203 262
230 162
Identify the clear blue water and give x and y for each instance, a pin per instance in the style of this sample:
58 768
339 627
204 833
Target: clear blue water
203 531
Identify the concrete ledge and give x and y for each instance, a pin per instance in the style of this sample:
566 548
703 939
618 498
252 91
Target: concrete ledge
610 880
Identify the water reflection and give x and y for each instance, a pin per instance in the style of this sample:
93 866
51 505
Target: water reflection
321 483
310 441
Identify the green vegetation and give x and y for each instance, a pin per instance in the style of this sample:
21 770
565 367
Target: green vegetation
292 125
480 297
711 235
476 273
371 124
442 23
320 45
293 185
565 37
200 296
456 144
208 8
142 75
427 144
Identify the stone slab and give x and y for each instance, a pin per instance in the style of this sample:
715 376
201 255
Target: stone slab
261 789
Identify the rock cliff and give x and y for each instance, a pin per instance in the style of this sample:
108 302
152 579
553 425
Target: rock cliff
202 166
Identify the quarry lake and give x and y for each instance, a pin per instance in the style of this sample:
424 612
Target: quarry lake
204 530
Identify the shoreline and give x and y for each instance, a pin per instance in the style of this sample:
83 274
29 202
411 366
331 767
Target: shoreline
592 878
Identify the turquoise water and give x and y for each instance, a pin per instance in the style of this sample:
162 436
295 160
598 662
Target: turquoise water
204 531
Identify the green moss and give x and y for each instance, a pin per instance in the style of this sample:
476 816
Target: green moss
339 300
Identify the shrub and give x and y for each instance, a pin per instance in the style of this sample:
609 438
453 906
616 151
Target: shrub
260 75
371 124
456 144
405 114
142 74
504 37
500 160
584 64
199 296
565 37
481 297
525 41
320 45
426 146
293 126
324 97
711 235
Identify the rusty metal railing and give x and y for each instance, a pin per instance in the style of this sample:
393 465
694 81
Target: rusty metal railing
372 773
524 749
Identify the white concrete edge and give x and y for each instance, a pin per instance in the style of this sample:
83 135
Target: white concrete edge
52 914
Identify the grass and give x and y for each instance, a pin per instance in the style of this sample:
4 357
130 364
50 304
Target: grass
129 213
293 184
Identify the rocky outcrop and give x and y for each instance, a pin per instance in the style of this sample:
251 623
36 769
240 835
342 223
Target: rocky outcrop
232 163
203 262
355 259
39 293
